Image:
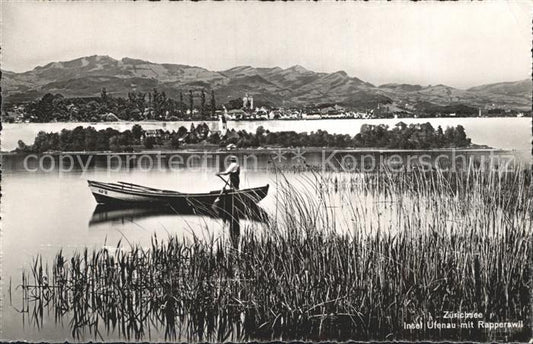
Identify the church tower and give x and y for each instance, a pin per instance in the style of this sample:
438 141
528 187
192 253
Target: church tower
222 125
248 102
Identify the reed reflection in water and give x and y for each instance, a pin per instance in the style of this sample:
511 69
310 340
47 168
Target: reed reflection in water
320 272
131 290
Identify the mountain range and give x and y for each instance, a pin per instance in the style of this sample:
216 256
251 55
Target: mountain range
294 86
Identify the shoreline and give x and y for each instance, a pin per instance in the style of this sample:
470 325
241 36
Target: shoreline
483 132
264 120
272 150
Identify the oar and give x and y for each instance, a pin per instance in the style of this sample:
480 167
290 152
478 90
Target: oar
226 182
217 200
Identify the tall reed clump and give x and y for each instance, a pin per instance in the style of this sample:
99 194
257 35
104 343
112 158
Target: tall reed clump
336 263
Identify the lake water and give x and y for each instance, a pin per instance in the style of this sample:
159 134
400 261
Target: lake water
44 212
504 133
57 211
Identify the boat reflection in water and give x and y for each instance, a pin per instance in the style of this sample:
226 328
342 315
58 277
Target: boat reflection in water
129 213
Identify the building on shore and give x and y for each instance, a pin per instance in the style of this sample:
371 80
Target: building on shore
237 114
222 125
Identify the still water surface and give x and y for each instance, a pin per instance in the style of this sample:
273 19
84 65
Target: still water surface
45 212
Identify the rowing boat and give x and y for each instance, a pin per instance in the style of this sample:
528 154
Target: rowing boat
122 193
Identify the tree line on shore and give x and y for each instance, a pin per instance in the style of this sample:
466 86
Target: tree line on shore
190 105
154 105
401 136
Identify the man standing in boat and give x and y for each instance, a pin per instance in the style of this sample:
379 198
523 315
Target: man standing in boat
233 171
229 211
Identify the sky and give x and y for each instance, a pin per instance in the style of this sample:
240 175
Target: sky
457 44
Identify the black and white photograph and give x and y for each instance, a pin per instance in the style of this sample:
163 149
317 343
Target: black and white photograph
266 171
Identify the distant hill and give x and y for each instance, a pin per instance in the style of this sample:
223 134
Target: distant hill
294 86
511 89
